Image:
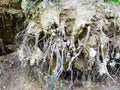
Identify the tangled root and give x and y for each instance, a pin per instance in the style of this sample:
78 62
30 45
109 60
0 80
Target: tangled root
60 38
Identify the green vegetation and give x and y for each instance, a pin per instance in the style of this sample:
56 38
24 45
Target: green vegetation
116 1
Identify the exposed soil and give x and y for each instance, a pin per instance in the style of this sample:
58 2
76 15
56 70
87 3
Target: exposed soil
15 77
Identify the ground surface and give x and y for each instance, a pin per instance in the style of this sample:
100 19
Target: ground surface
15 77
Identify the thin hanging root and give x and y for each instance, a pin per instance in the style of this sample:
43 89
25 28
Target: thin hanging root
84 45
59 62
51 57
73 58
25 45
20 34
105 65
87 37
59 65
24 48
71 82
47 45
42 38
36 41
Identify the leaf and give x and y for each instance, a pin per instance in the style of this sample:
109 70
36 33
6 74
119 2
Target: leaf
116 1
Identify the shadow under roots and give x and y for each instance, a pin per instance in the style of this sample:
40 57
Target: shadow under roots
5 51
80 77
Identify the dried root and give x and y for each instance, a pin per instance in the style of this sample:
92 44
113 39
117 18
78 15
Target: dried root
60 35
